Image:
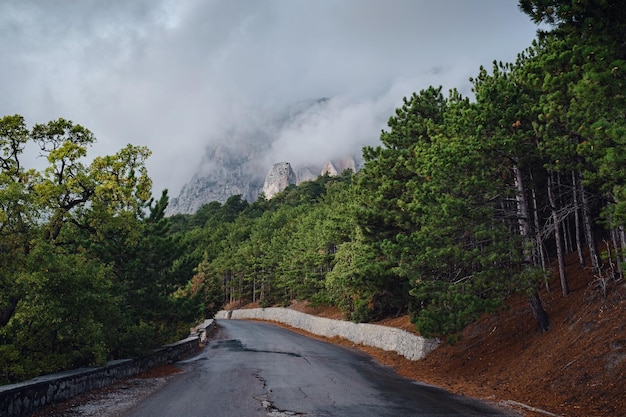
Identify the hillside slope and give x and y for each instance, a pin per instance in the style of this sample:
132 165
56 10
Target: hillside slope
577 368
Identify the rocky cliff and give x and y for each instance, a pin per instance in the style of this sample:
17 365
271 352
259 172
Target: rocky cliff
282 174
224 172
241 164
229 175
280 177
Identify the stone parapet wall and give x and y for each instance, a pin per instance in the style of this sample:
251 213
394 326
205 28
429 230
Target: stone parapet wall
203 329
404 343
22 399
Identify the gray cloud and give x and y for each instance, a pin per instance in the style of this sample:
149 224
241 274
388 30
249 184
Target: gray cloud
175 75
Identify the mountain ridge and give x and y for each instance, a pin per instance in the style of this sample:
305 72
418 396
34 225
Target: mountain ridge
234 176
244 162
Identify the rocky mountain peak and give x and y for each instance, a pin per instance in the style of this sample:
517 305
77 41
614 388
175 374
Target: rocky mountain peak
236 164
329 169
280 177
282 174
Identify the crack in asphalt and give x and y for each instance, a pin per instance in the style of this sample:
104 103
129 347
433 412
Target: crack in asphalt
261 379
268 405
275 412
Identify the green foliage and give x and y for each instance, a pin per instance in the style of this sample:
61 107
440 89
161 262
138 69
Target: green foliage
603 19
275 251
62 316
442 222
449 216
87 261
361 283
451 305
451 213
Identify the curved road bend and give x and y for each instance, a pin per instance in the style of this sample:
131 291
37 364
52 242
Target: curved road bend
252 369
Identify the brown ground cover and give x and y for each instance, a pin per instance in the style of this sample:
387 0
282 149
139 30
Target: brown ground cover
577 368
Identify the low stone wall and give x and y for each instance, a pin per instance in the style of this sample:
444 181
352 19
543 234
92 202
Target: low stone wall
407 344
203 329
22 399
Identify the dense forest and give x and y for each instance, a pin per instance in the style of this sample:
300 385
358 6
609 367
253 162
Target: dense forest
466 201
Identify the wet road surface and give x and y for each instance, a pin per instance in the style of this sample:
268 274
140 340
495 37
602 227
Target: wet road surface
254 369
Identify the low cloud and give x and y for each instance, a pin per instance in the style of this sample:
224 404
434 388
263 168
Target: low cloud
180 75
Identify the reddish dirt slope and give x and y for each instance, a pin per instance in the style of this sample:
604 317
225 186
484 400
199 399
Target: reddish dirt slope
577 368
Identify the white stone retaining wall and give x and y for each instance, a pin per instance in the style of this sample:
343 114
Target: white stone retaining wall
407 344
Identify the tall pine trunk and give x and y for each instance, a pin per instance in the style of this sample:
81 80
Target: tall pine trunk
579 245
588 227
613 258
540 247
622 238
523 216
539 313
617 234
565 227
557 235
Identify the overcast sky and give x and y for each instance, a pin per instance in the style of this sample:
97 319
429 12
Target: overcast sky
175 75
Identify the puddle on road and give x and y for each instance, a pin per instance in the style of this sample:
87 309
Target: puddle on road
235 345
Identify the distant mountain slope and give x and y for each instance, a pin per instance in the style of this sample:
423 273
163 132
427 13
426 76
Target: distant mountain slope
223 172
242 163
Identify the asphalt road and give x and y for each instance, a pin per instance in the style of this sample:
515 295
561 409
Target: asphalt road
252 369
